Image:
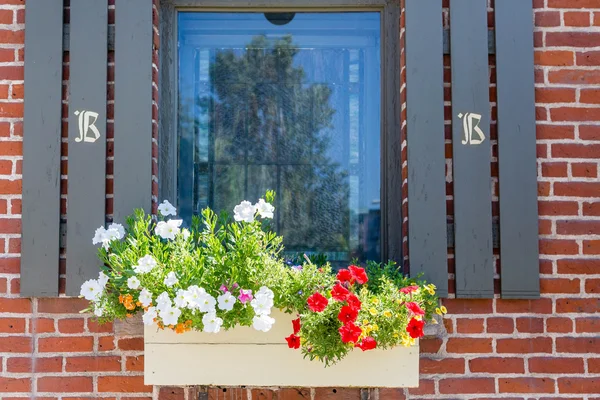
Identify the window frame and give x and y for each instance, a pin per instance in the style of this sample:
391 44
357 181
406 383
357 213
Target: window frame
391 160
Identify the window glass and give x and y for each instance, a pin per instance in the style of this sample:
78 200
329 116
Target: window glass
289 102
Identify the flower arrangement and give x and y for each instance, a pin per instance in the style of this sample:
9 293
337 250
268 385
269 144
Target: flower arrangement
222 273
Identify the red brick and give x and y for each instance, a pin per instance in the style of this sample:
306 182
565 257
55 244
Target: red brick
128 384
573 39
41 325
9 266
578 385
575 18
530 325
425 387
590 96
578 345
171 393
12 325
573 4
555 169
67 384
500 325
554 365
566 266
569 150
558 247
7 55
588 58
385 394
547 18
469 345
15 344
93 363
559 285
587 325
554 95
526 385
337 393
497 365
131 344
591 305
591 209
589 132
531 345
10 225
592 286
540 306
584 170
94 326
559 325
14 385
66 344
594 365
134 363
554 58
441 366
18 364
466 385
467 325
11 187
62 305
576 113
304 394
70 325
591 247
106 343
6 167
468 306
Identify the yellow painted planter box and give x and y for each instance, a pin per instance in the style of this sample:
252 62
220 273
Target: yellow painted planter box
245 357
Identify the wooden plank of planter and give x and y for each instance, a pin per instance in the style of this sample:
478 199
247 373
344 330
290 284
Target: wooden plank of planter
519 251
279 365
87 138
427 239
472 150
41 148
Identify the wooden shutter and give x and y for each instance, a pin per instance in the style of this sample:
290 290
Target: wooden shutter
133 107
41 148
427 238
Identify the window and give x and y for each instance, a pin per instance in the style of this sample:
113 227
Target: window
292 101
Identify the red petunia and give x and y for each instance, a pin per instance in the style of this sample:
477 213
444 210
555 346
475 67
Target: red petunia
293 341
367 343
348 314
344 275
296 325
317 302
339 292
354 302
414 308
409 289
350 333
359 274
415 328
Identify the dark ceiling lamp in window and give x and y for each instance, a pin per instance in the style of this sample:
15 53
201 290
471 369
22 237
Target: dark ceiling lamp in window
280 18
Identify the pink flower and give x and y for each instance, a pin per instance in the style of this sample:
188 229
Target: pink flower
245 295
409 289
414 308
223 289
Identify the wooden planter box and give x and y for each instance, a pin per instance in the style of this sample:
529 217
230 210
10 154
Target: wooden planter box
246 357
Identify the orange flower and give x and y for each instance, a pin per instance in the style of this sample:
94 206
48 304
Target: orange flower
180 328
121 299
129 315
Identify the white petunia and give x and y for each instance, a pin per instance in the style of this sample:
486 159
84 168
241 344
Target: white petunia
91 290
168 230
145 264
212 323
170 315
193 296
265 210
145 297
207 303
244 212
102 279
186 233
171 279
163 301
265 291
116 231
149 316
180 299
262 304
262 323
133 283
101 237
226 301
166 209
98 310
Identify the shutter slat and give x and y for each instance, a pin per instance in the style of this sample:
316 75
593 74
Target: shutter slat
41 148
133 107
427 238
519 252
471 149
87 147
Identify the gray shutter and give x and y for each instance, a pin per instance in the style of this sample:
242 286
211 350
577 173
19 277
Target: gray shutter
133 107
471 149
41 147
87 152
519 252
427 239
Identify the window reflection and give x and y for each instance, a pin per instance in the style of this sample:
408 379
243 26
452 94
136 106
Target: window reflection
294 108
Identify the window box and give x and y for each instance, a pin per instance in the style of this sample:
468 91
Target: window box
245 357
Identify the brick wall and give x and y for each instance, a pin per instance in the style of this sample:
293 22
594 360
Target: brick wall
547 348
